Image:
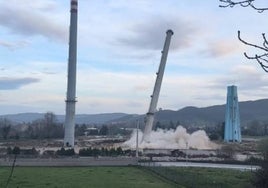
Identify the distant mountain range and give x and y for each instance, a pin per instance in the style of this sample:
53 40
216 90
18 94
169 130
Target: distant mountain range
249 111
206 116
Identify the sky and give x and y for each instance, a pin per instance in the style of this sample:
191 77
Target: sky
119 51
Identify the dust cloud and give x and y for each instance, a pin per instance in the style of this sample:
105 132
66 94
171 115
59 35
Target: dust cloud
172 139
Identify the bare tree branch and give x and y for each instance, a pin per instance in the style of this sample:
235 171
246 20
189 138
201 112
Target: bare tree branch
229 3
245 3
249 44
256 56
264 67
261 59
265 42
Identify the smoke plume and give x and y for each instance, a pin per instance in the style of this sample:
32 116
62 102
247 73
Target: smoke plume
172 139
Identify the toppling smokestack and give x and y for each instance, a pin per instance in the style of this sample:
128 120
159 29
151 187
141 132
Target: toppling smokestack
154 98
71 84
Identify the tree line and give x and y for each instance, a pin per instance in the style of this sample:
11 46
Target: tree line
89 152
49 127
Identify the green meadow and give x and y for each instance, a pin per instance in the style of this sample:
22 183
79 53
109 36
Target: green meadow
122 177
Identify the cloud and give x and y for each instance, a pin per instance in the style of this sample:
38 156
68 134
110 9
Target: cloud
15 83
218 96
150 34
14 45
28 21
222 48
134 104
246 77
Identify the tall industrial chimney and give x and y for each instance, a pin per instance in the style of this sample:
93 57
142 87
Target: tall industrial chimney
71 84
154 98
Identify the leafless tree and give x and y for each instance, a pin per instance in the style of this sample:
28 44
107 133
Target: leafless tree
261 58
5 127
245 3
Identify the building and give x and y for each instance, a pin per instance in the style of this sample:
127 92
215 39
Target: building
232 131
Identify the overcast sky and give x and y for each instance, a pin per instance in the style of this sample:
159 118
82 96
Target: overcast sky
119 50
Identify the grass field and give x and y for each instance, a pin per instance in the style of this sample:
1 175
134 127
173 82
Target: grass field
206 177
81 177
123 177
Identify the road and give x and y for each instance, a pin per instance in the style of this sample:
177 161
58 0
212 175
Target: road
115 161
206 165
83 161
